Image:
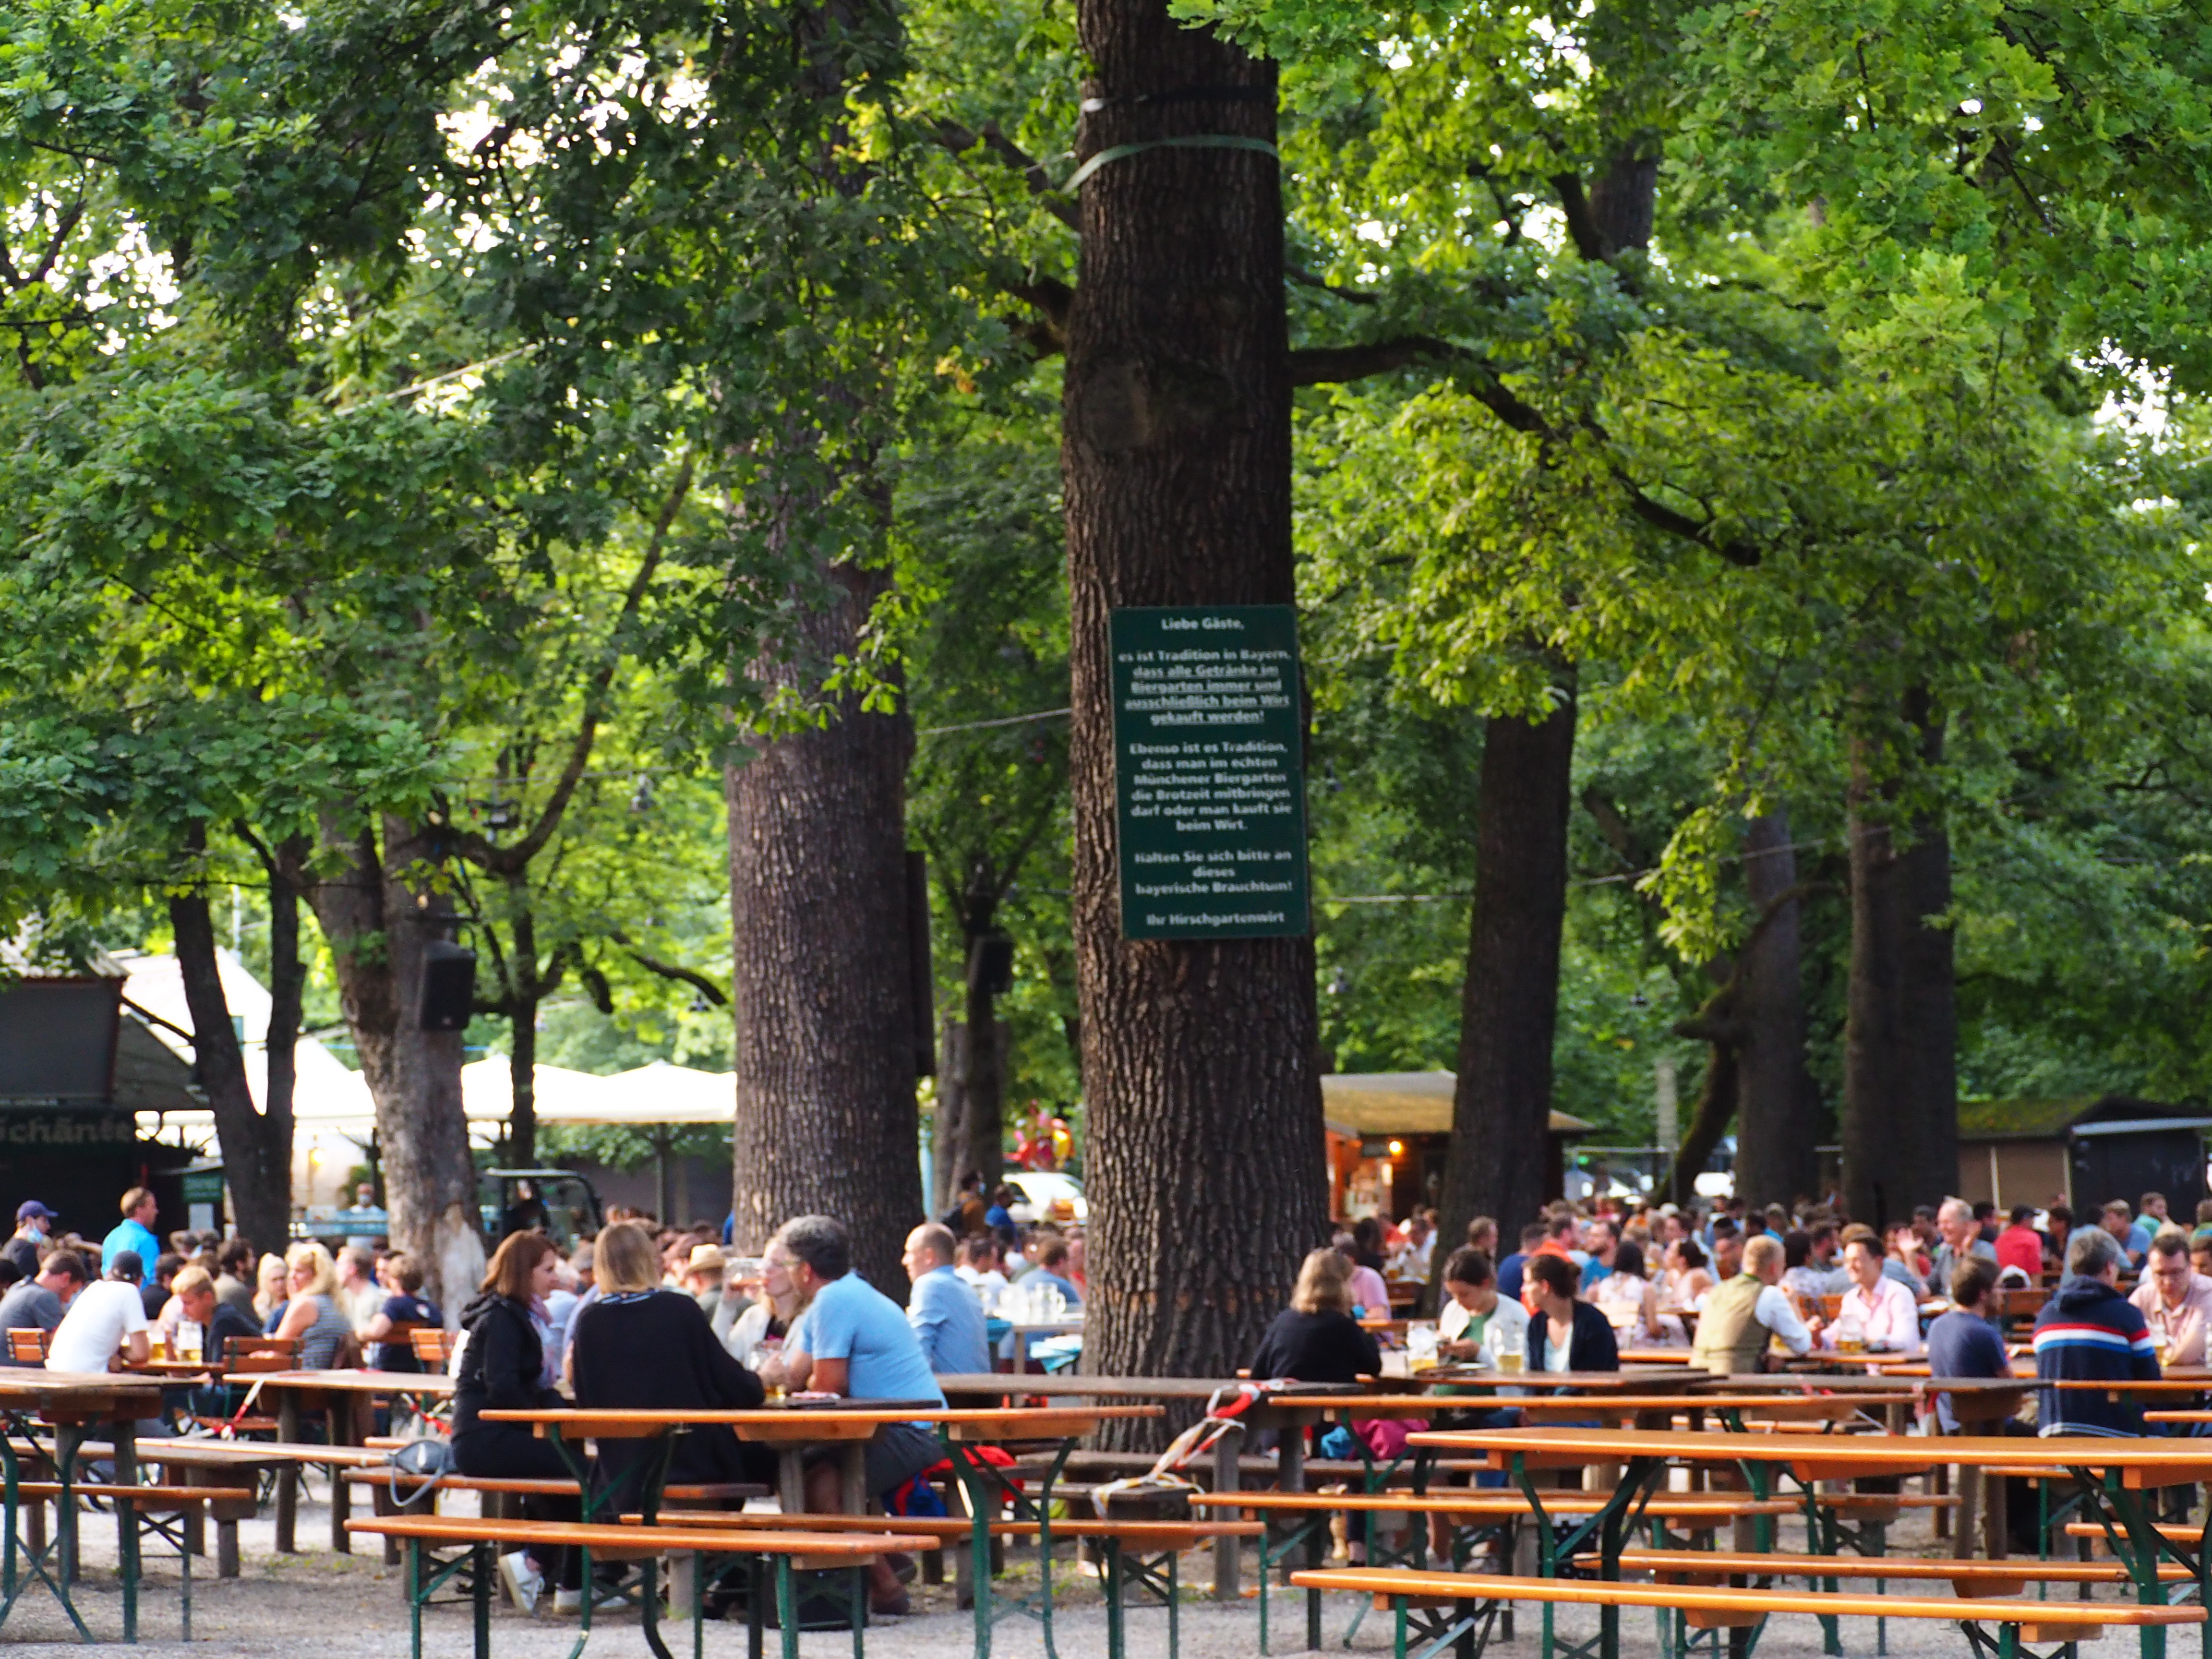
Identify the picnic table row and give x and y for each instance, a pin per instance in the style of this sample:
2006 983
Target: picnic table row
1078 1406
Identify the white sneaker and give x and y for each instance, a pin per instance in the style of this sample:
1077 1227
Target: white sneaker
572 1600
523 1582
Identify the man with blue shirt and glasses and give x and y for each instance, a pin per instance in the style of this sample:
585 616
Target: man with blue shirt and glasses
946 1315
854 1341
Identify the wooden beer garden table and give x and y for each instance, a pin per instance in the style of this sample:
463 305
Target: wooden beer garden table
72 1403
793 1427
2118 1472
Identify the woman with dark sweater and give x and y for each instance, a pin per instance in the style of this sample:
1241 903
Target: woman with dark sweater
1316 1339
1571 1335
638 1346
503 1368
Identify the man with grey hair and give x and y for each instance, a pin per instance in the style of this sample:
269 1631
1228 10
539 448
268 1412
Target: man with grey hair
2088 1332
1954 1224
854 1341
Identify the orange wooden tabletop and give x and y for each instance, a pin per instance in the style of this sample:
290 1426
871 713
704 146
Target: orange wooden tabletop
2141 1462
806 1422
601 1537
351 1380
1797 1407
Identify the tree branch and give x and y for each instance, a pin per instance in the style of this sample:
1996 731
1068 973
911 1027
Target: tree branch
962 141
1330 365
1575 208
698 982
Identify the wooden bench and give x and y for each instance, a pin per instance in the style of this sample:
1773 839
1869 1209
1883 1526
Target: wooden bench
788 1550
1455 1507
1970 1578
143 1502
1122 1539
381 1482
1475 1598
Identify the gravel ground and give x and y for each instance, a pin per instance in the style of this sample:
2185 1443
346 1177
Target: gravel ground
323 1605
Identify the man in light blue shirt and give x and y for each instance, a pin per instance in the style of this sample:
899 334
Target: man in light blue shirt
135 1234
945 1314
854 1341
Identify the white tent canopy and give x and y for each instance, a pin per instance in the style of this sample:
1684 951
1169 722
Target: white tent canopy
335 1115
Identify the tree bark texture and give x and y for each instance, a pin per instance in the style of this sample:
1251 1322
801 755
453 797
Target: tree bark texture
256 1149
1776 1129
821 991
287 992
1509 1003
983 1076
1204 1169
1900 1069
378 914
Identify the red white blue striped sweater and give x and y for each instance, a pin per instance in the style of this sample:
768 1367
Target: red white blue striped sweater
2089 1331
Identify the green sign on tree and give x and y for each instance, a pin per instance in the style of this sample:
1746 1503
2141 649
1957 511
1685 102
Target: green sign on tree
1209 774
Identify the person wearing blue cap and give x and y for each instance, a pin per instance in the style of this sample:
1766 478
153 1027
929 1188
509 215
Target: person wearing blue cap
30 1230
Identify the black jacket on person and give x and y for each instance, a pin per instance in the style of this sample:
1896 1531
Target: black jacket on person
1316 1348
658 1353
503 1364
1591 1346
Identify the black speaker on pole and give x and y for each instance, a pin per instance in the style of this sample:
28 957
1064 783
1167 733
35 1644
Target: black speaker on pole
449 986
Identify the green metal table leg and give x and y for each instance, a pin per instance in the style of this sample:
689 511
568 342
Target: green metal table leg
1115 1635
485 1563
787 1609
415 1597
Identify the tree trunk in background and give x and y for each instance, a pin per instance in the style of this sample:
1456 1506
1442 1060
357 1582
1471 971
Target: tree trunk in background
822 988
949 1138
1498 1161
1900 1068
376 926
1709 1120
984 1076
1876 1152
1204 1166
522 1083
1929 1029
288 990
1509 1007
1776 1132
257 1168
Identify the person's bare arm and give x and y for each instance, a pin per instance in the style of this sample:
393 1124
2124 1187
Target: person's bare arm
792 1369
379 1329
139 1346
831 1376
299 1313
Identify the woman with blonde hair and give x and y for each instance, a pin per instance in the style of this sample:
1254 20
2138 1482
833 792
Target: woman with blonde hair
1316 1339
271 1291
313 1314
635 1315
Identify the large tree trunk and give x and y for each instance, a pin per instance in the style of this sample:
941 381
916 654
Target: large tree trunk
983 1078
822 987
287 991
1203 1106
1929 1027
1900 1078
1775 1161
378 927
1508 1007
256 1169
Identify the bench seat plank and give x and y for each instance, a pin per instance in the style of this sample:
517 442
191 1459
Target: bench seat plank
1391 1582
